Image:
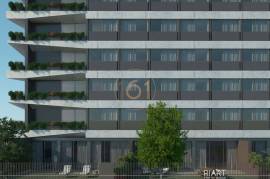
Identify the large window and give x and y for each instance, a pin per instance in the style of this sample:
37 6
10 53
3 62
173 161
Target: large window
253 85
194 25
255 25
105 151
133 115
256 55
195 114
259 146
103 26
226 26
226 55
226 85
194 85
103 114
133 55
165 85
163 26
226 114
164 55
194 55
256 114
103 55
103 85
133 26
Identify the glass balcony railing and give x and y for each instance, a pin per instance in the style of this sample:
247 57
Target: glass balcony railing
19 95
73 36
19 66
17 6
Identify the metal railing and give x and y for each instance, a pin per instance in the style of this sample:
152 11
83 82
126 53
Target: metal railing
124 171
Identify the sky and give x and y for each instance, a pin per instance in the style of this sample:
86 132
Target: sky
7 53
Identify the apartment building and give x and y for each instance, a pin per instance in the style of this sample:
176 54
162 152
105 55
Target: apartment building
92 68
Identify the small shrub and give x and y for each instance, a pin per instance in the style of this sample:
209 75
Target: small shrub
16 95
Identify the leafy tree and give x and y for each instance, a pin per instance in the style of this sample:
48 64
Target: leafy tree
161 142
13 144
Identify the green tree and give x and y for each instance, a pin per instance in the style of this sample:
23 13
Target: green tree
161 142
13 144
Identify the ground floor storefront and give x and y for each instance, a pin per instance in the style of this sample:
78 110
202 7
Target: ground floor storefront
103 155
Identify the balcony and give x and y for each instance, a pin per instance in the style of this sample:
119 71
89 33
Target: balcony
226 36
159 65
255 95
57 125
220 65
16 6
225 6
133 36
195 125
133 6
199 65
103 95
253 6
131 125
19 95
197 6
249 65
195 95
255 125
218 124
165 36
164 6
106 36
74 36
161 95
103 125
137 65
198 36
97 65
226 95
97 5
256 36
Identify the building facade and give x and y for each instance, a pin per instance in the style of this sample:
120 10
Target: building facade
92 68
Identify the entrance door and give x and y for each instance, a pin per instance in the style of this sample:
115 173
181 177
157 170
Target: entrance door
216 154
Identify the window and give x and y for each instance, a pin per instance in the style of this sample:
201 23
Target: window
103 25
253 85
103 85
133 55
195 114
164 55
164 85
194 85
256 55
227 114
133 115
226 26
256 114
194 26
163 26
47 147
103 55
226 85
255 25
105 151
194 55
133 26
226 55
259 147
103 114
